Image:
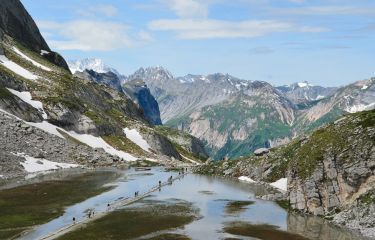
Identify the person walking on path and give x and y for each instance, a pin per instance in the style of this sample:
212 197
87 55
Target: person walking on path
74 220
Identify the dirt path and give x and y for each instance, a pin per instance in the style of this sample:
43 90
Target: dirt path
113 206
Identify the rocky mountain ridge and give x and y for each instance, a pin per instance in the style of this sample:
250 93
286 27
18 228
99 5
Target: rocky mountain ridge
265 116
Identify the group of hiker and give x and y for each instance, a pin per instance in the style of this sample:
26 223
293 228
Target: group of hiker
136 194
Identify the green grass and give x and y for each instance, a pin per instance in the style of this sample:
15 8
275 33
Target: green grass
131 223
34 204
122 143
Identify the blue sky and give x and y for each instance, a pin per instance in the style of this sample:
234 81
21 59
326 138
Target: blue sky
325 42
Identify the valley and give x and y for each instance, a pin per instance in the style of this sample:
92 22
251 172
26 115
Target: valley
88 152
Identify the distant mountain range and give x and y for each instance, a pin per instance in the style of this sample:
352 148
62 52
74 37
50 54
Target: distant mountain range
233 116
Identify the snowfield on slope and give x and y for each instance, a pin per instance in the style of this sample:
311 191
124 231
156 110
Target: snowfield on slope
134 136
14 67
246 179
35 63
26 97
97 142
32 164
281 184
360 108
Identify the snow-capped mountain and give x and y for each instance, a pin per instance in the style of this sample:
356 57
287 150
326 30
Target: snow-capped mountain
94 64
304 92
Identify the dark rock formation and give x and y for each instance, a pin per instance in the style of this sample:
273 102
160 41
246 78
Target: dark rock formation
16 22
109 79
141 94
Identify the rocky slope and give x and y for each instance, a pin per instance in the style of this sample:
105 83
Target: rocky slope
49 97
330 172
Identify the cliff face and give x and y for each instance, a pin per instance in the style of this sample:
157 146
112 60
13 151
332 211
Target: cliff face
141 94
340 166
16 22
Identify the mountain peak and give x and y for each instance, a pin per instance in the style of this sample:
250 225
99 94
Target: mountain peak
94 64
304 84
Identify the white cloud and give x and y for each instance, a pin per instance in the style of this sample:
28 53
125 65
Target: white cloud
188 8
210 28
328 10
88 35
106 10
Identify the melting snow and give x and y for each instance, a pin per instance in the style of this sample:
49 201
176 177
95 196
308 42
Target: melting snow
97 142
43 52
134 136
30 60
14 67
47 127
281 184
359 108
26 97
246 179
319 97
32 164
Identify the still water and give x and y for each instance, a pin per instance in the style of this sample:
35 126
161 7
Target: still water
210 196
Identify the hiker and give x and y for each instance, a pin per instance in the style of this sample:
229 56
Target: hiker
74 220
159 184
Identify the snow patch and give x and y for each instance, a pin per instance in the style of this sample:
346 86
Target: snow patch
44 52
32 164
16 50
26 97
47 127
359 108
98 142
246 179
319 97
134 136
281 184
14 67
364 87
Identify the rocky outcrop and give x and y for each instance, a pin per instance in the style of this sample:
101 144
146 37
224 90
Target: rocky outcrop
16 22
16 106
141 94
